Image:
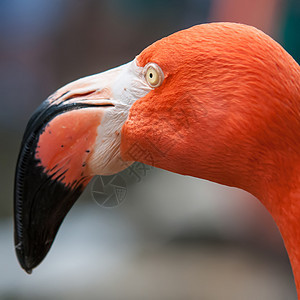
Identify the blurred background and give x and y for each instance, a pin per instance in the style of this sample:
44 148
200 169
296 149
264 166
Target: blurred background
174 237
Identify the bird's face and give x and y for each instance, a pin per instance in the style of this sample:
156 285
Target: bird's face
185 104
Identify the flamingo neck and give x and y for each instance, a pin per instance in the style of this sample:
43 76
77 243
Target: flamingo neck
283 202
272 176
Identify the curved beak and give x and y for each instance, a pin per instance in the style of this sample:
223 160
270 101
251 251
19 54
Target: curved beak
53 164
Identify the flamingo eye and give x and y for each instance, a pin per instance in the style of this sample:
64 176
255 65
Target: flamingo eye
154 75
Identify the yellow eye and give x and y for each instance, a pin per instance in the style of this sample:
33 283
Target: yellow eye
154 75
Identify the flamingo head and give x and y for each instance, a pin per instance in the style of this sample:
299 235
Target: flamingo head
207 101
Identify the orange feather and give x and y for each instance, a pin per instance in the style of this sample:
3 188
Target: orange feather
227 111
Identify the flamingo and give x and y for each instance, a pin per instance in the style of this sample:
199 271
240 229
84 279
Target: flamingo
218 101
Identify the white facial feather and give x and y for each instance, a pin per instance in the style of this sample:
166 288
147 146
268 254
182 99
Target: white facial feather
126 87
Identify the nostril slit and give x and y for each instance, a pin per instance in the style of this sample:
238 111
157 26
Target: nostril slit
72 96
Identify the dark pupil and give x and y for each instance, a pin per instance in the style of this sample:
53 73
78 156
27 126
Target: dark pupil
150 75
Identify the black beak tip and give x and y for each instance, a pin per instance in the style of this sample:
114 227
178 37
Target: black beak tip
26 266
27 269
41 200
29 259
24 261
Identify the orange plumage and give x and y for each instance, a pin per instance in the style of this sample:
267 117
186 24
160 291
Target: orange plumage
227 111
